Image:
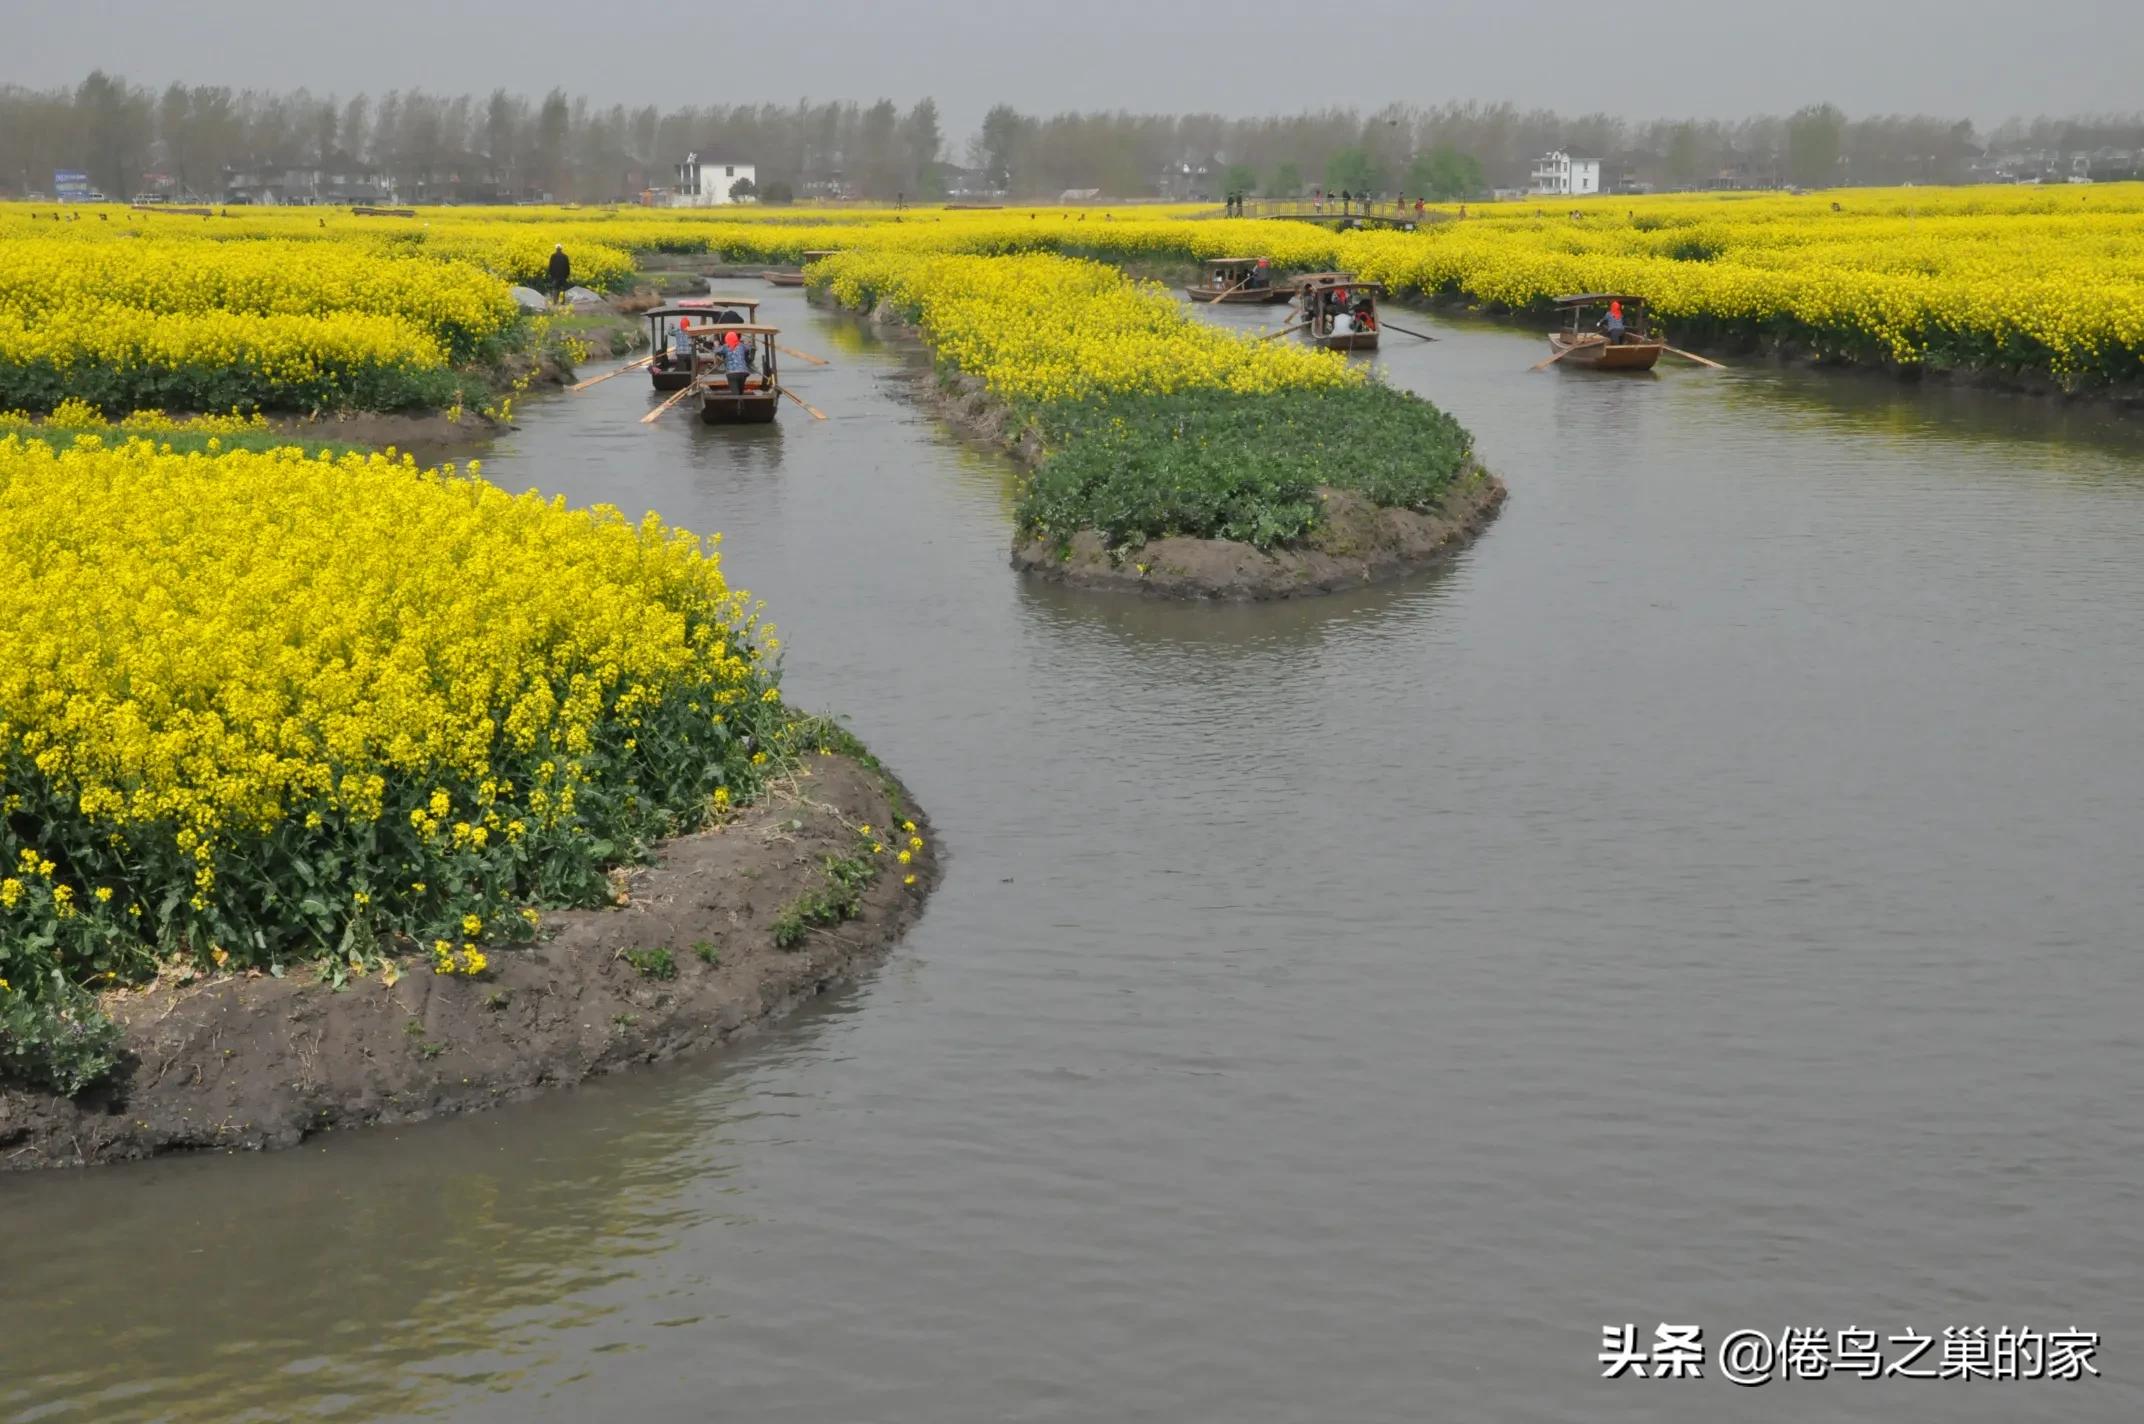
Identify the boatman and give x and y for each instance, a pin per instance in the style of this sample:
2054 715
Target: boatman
561 272
736 361
1615 323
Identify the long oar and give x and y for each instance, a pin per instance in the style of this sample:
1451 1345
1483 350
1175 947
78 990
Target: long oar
651 416
1395 326
599 380
1284 331
1689 357
1543 365
800 355
1225 291
816 413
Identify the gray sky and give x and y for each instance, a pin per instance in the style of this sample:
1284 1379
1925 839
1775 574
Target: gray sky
1641 58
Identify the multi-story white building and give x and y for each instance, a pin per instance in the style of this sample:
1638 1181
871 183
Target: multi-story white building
710 185
1558 173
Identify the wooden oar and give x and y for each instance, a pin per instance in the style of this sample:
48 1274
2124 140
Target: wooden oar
650 417
1284 331
816 413
800 355
1216 297
599 380
1395 326
1689 357
1542 365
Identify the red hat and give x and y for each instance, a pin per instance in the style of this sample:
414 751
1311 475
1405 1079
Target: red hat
730 340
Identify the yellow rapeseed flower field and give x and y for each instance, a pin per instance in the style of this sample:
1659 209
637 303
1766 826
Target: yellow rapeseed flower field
1042 328
240 714
303 307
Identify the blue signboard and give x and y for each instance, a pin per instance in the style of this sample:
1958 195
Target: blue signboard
67 183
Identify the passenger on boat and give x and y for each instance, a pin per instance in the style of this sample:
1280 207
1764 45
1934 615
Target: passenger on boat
680 347
1363 319
1616 333
1262 274
736 361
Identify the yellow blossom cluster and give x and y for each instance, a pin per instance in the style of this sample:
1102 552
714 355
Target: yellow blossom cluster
254 700
1042 328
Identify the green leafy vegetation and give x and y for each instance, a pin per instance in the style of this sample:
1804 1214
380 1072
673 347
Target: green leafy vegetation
653 963
834 903
59 1040
1215 465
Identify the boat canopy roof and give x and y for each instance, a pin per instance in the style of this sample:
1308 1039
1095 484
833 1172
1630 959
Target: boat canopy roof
1234 261
1590 299
811 252
1350 283
696 309
747 327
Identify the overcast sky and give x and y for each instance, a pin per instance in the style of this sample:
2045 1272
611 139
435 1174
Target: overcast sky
1720 58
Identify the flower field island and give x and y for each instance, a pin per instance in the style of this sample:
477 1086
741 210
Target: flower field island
1166 455
336 790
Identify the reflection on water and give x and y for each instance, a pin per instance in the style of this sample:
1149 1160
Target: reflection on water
1711 898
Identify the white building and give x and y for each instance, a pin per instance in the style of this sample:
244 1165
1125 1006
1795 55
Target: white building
709 184
1558 173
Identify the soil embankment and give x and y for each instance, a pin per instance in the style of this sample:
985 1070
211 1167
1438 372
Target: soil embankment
262 1062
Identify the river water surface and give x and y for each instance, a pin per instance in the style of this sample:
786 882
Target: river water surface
1713 899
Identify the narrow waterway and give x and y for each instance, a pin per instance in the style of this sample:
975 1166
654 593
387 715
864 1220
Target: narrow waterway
1713 899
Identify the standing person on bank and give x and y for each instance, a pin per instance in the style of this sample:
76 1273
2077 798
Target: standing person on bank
561 272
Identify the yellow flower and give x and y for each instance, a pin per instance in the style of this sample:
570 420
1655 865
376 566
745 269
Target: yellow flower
908 880
104 894
10 892
472 924
904 857
914 842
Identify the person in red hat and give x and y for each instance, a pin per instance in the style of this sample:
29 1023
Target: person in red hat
736 361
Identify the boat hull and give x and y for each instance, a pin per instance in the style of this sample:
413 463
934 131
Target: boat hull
752 408
785 279
1599 354
670 380
1248 296
1347 341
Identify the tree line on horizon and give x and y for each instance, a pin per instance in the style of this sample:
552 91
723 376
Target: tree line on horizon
508 147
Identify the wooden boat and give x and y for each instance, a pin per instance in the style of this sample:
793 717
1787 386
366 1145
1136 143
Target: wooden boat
1575 345
1245 280
664 372
1340 313
762 394
796 279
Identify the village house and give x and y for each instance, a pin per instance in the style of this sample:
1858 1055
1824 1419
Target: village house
1565 175
1187 178
708 183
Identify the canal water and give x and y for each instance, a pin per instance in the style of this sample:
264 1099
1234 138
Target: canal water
1713 900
